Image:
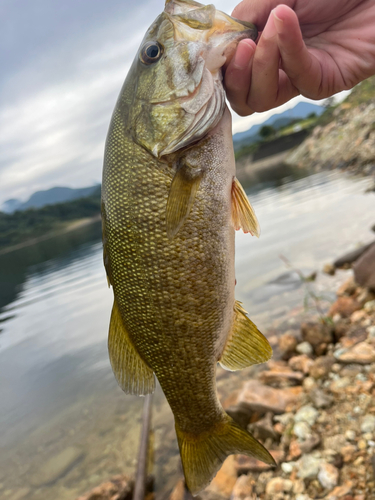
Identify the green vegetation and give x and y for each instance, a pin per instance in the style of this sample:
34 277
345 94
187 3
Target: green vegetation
267 131
22 226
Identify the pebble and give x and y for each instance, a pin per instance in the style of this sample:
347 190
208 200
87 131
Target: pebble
308 466
305 348
279 485
328 476
302 430
362 444
350 435
369 306
309 383
306 414
368 424
371 332
287 467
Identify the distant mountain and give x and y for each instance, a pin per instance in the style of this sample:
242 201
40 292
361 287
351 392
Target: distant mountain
278 120
49 197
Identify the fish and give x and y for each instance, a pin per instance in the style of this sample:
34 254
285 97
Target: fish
170 206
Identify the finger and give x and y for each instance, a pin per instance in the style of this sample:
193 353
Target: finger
301 66
270 87
238 77
257 12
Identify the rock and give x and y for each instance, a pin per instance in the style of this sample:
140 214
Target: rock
224 481
317 335
368 424
369 306
301 363
57 466
329 269
287 467
345 306
178 492
354 335
311 442
245 464
351 257
263 429
335 442
328 476
302 430
339 385
262 398
321 367
358 316
362 353
308 467
243 489
306 414
305 348
309 384
279 485
348 453
281 377
348 288
287 345
340 492
320 399
294 450
364 268
350 435
114 489
240 414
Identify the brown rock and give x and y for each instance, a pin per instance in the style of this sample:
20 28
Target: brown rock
362 353
345 306
262 398
179 491
244 489
301 363
354 335
287 345
114 489
322 366
281 377
348 288
364 268
329 269
245 464
348 453
263 429
224 481
320 399
294 450
317 334
340 328
279 485
341 491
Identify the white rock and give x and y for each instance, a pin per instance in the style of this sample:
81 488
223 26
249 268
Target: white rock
308 467
307 414
305 348
302 430
288 467
369 306
368 424
350 435
279 485
328 476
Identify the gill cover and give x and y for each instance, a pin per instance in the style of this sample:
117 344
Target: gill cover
179 97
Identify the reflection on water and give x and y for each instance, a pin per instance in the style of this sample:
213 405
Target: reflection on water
65 426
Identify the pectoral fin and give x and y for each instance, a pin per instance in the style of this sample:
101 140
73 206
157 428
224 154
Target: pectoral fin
243 215
246 346
131 372
180 200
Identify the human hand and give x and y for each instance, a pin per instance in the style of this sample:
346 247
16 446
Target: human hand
314 48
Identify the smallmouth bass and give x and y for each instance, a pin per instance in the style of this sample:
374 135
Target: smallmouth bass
170 207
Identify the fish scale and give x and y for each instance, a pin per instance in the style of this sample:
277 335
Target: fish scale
168 236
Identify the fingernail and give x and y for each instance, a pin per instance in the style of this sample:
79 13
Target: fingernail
270 28
279 23
242 56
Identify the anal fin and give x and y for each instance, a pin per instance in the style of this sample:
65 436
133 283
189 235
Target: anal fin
133 375
245 346
243 215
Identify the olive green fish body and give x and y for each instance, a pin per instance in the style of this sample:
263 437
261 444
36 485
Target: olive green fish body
170 206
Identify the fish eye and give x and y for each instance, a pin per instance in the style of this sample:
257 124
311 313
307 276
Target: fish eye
151 52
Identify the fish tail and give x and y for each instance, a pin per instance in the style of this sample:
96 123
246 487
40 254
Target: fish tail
203 454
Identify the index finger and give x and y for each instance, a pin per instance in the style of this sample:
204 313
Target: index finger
258 11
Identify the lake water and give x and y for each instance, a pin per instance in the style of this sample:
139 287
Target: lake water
65 426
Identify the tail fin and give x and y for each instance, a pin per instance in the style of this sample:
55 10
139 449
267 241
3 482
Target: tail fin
203 454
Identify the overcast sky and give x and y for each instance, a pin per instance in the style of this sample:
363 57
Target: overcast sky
62 67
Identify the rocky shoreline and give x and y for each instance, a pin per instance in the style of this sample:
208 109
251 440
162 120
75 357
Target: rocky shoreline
313 407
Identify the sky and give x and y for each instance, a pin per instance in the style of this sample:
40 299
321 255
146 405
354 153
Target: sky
62 67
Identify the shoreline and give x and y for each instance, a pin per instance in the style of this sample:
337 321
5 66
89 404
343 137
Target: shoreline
72 226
